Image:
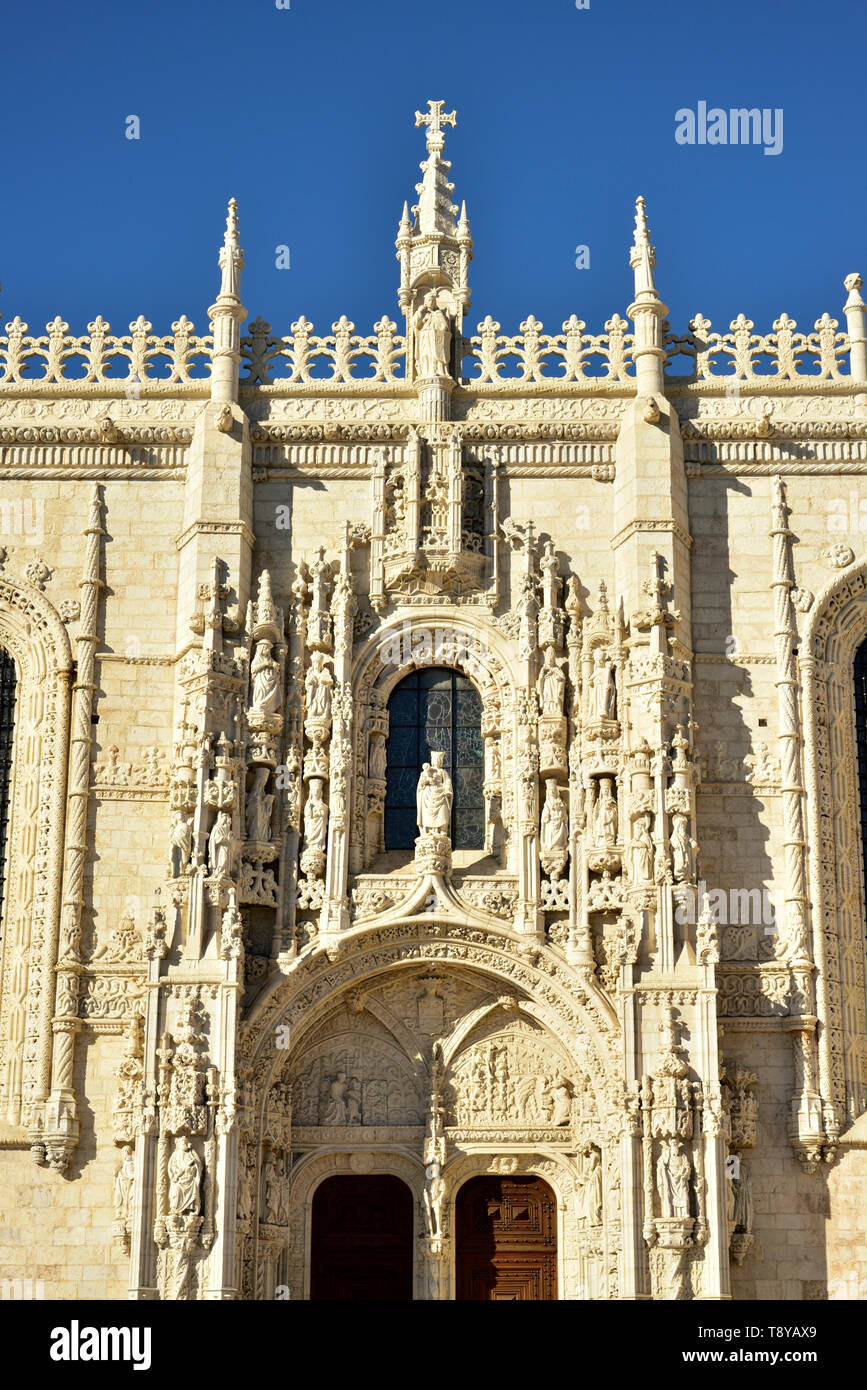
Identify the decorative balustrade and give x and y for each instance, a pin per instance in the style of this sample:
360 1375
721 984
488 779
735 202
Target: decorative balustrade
102 357
306 357
487 358
783 355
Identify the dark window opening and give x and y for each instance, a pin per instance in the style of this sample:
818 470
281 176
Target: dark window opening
435 710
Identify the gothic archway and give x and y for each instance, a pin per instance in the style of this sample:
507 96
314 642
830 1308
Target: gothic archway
506 1240
834 631
33 634
362 1239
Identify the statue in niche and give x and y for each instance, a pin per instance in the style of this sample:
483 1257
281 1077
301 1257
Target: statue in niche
743 1201
220 846
185 1174
123 1181
265 674
335 1108
318 684
275 1190
606 814
552 684
553 831
434 797
245 1195
682 850
641 851
603 692
315 816
433 337
181 839
591 1187
673 1170
376 760
258 808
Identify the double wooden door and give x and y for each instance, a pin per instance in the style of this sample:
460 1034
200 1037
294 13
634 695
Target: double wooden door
506 1240
362 1243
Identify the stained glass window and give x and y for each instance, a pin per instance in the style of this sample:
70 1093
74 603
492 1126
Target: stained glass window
435 710
7 719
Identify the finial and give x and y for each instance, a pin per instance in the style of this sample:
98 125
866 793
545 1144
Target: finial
231 258
464 221
642 231
231 238
435 118
642 256
405 228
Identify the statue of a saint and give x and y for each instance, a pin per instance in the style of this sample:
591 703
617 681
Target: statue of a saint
603 692
553 830
181 838
434 797
434 1194
561 1101
258 808
591 1194
433 336
265 674
335 1109
641 851
185 1172
317 686
315 816
743 1205
606 815
123 1181
376 760
673 1170
220 847
682 857
552 684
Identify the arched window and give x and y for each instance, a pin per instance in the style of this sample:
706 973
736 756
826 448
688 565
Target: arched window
435 710
861 727
7 720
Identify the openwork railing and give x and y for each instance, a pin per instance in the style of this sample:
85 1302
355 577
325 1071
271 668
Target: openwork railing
342 355
743 355
488 358
100 356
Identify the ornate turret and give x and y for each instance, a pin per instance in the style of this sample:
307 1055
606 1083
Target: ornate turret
434 253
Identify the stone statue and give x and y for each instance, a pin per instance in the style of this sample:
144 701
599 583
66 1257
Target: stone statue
185 1173
275 1190
265 674
318 684
606 814
258 809
433 336
641 851
181 838
376 760
335 1109
591 1192
553 831
220 846
561 1101
682 857
603 692
434 1195
315 816
743 1205
552 685
673 1170
123 1181
434 797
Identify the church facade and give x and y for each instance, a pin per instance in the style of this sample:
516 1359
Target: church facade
433 780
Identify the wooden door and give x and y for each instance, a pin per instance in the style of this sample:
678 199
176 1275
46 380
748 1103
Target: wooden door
506 1240
362 1239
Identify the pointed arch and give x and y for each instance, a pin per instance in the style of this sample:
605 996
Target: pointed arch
33 634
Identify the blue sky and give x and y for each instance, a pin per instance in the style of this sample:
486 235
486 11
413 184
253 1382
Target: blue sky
306 116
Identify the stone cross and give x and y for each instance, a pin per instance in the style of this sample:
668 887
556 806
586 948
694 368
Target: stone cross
435 118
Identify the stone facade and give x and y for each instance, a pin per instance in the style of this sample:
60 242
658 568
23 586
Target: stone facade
219 985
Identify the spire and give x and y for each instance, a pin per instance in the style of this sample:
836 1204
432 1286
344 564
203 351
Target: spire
647 313
642 256
435 211
228 314
231 260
